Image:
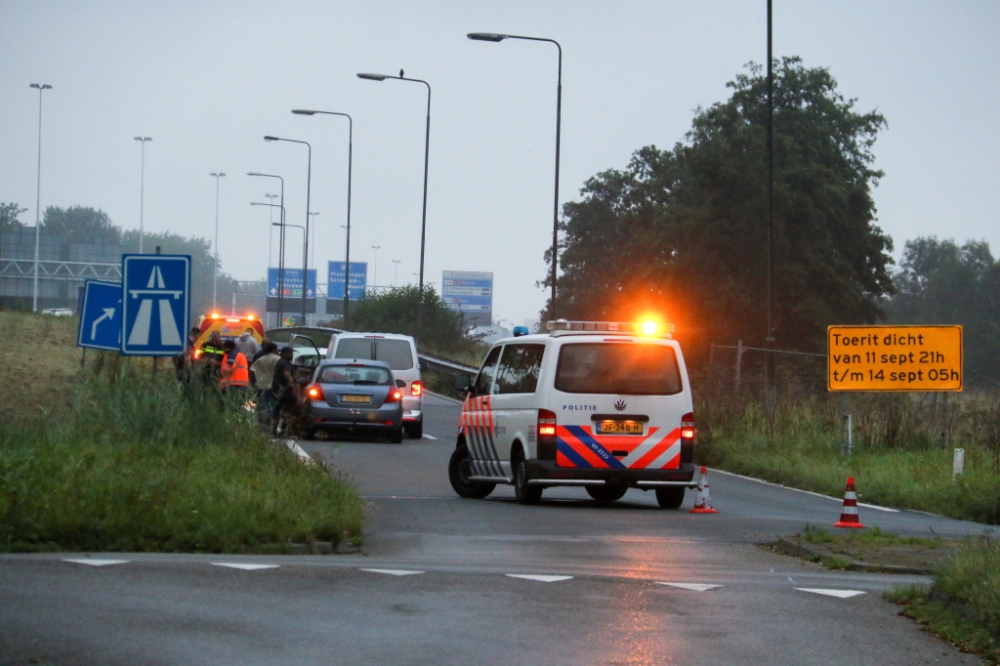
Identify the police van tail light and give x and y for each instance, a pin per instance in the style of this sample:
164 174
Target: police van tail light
687 438
546 434
394 396
315 392
416 389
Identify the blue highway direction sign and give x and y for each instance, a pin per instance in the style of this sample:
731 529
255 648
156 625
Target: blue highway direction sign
156 306
292 284
336 271
101 316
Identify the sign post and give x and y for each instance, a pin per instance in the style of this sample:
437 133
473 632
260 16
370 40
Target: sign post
894 358
156 304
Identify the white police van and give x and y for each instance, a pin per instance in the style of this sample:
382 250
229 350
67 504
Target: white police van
604 405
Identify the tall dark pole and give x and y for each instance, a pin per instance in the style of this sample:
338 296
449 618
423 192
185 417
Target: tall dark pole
305 266
497 37
350 161
281 245
38 194
423 222
769 340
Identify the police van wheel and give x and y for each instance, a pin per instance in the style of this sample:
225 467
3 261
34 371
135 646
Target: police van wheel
524 493
607 493
670 497
458 473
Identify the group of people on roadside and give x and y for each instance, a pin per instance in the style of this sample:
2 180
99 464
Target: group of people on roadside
242 370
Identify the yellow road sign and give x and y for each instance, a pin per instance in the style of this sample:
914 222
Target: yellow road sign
894 358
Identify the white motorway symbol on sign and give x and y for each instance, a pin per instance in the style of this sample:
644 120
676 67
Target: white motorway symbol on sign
155 290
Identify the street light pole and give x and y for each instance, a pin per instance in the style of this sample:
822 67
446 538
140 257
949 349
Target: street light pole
495 37
305 268
350 159
270 218
395 271
38 194
142 185
375 264
281 263
297 226
215 248
423 223
281 244
312 257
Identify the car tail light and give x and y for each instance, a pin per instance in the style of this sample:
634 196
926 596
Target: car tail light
687 438
394 396
546 435
416 389
315 392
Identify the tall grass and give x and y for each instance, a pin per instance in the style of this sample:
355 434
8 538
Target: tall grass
129 461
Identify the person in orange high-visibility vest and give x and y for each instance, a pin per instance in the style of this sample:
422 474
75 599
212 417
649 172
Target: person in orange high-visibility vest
235 375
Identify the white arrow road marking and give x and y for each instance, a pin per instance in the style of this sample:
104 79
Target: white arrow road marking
430 437
840 594
394 572
695 587
245 567
539 578
109 313
97 563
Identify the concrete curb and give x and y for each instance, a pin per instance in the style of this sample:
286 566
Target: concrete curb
789 548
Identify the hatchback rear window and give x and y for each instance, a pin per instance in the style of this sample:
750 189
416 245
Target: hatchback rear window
618 368
394 353
345 374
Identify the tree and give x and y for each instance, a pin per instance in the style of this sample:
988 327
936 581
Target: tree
395 311
78 224
8 217
683 231
939 282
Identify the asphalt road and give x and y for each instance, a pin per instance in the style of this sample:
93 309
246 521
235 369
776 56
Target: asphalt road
441 580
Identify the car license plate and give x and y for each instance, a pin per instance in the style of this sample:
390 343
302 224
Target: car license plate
619 428
364 399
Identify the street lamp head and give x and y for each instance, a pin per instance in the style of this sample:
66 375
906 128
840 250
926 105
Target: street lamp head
271 138
40 86
217 175
303 112
143 138
374 77
487 36
254 173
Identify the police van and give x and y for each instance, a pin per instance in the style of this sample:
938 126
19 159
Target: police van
603 405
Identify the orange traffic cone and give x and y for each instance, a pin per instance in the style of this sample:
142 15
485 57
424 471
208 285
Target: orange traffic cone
703 502
849 514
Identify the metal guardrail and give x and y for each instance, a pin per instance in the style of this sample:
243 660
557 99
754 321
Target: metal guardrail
444 365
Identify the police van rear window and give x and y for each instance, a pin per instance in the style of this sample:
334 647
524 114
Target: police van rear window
627 369
395 353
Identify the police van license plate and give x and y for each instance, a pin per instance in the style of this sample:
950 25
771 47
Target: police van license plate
365 399
619 428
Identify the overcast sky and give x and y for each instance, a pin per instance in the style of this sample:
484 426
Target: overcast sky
207 80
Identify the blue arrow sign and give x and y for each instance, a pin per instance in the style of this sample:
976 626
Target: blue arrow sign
156 303
101 316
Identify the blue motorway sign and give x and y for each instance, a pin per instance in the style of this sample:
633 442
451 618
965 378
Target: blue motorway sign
156 304
468 291
336 271
101 316
292 284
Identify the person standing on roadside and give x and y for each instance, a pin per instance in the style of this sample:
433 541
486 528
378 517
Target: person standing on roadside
234 373
210 358
248 344
284 389
262 377
184 363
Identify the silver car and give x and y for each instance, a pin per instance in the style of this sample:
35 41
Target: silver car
354 395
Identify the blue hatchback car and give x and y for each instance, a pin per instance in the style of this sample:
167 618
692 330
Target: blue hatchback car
356 396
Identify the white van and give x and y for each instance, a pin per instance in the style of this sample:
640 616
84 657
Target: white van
604 405
399 352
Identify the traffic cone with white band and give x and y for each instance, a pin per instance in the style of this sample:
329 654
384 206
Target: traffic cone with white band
703 502
849 514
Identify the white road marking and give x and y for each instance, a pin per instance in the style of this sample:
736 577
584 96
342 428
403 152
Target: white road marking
394 572
695 587
426 436
840 594
539 578
96 563
807 492
245 567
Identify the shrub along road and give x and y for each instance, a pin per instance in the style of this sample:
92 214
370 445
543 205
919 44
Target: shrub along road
614 598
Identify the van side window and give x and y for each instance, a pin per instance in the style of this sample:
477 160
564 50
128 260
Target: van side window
485 378
518 371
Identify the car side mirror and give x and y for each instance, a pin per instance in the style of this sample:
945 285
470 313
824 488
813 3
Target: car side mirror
463 383
400 383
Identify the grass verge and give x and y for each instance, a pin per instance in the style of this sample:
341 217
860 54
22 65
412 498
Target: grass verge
123 460
963 605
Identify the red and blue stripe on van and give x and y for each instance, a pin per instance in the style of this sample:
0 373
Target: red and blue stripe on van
476 423
580 447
